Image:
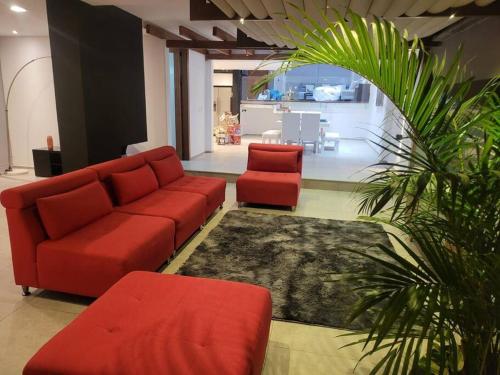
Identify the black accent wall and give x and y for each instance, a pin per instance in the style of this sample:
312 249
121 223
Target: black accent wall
98 64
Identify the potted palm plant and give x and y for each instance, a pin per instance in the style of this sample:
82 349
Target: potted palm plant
437 300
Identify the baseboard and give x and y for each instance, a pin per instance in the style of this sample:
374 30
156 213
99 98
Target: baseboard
307 183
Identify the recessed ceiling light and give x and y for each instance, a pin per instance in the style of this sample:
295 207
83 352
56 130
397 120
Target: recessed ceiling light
17 9
452 16
242 20
14 32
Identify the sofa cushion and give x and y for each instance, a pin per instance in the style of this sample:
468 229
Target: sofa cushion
167 170
268 188
92 259
132 185
186 209
214 189
64 213
150 323
272 161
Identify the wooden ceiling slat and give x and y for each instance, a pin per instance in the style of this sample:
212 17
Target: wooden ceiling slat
397 8
440 6
275 8
224 7
256 8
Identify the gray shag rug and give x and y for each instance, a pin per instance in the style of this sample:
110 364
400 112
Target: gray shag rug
299 259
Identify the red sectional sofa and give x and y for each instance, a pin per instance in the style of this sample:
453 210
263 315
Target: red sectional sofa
82 231
204 326
273 176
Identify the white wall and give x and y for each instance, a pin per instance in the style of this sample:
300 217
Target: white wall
32 105
156 82
223 79
246 64
4 155
200 103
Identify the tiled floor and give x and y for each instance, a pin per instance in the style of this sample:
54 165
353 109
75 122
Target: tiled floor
28 322
348 163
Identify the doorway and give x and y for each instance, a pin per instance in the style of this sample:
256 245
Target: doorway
222 102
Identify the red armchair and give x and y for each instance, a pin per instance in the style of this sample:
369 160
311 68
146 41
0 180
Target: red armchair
273 175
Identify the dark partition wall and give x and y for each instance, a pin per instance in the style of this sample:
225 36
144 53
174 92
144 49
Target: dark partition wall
98 65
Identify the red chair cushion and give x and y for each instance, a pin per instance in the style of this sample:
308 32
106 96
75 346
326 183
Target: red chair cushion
272 161
132 185
280 189
186 209
214 189
167 170
64 213
92 259
149 323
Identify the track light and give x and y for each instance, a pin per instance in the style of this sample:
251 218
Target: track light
17 9
242 20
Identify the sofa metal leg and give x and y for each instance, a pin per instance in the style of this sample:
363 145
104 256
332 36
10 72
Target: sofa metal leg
221 206
293 208
240 204
202 226
25 290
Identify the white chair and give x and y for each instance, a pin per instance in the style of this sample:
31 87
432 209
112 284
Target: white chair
331 137
270 135
290 132
309 129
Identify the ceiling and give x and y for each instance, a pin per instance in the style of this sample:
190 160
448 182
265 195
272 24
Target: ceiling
170 14
31 23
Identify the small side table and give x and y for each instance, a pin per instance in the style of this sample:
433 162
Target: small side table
47 163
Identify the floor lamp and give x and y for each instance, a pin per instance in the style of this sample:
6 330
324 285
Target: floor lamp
10 170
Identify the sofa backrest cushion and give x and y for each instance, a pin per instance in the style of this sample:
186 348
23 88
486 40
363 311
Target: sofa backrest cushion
135 184
106 169
269 161
67 212
272 148
158 153
167 170
25 226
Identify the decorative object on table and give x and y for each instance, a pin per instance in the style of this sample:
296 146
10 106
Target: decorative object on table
50 143
10 170
295 258
437 300
229 130
47 161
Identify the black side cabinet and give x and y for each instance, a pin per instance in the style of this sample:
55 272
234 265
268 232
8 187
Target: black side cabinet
47 163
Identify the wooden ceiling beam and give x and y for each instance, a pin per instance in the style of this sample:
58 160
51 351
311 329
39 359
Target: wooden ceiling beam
191 34
213 44
161 33
222 34
218 56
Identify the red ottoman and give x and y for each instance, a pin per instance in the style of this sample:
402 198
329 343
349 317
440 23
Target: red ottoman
150 323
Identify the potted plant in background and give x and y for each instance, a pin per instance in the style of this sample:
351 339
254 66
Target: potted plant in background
437 303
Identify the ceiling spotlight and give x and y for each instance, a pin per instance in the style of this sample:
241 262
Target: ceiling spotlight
17 9
452 16
14 32
242 20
